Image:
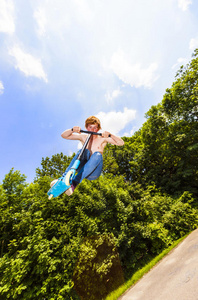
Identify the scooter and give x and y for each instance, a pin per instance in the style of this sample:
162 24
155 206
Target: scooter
64 182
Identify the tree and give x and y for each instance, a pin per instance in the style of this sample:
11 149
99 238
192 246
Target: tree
98 271
11 204
165 150
55 166
45 236
170 135
124 160
13 185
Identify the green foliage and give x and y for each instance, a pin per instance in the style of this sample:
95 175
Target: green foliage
41 249
98 270
124 160
50 244
11 205
53 167
178 135
13 185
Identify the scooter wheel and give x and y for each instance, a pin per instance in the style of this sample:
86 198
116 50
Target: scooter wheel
68 177
50 197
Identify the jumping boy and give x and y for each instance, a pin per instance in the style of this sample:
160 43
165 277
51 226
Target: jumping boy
92 160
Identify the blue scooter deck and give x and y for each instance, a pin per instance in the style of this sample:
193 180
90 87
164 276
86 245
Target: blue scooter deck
58 188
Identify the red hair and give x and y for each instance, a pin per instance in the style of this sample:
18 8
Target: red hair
93 120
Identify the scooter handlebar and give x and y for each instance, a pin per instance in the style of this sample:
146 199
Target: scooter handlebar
92 132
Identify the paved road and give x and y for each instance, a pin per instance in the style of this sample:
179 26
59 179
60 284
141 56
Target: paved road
175 277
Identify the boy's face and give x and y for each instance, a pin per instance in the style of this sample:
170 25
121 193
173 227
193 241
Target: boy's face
92 127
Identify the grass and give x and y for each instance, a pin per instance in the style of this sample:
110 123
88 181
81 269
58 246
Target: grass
137 275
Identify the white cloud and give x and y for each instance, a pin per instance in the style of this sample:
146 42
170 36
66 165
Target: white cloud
133 74
28 64
1 88
110 96
193 44
183 4
114 121
7 16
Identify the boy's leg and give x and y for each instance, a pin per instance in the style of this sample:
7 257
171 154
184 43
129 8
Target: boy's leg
91 170
84 159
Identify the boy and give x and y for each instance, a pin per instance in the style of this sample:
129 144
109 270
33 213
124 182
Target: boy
92 160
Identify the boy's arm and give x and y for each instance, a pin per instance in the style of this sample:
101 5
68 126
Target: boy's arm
113 139
69 134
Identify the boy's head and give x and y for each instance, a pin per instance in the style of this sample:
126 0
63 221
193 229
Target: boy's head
93 120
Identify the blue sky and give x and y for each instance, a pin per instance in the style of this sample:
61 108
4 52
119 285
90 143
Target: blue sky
64 60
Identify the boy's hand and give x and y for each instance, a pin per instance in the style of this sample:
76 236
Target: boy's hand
106 134
76 129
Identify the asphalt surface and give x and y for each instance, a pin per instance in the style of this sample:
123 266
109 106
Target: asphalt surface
175 277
